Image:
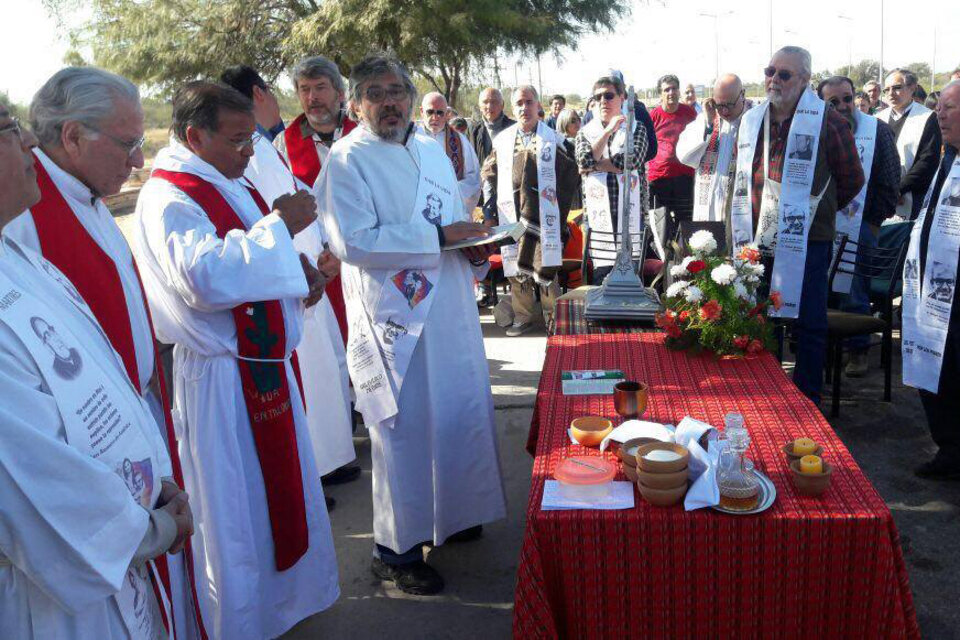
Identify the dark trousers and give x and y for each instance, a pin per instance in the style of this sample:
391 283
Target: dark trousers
676 195
943 408
810 328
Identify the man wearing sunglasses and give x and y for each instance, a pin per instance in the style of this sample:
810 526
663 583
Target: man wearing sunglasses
778 180
876 202
90 128
917 136
707 145
228 288
434 122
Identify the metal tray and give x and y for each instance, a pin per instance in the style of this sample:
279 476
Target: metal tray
768 494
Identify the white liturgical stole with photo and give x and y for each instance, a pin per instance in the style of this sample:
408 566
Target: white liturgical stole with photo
104 416
908 142
927 305
551 246
711 188
387 308
850 218
787 207
597 197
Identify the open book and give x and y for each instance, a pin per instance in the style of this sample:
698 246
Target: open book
500 235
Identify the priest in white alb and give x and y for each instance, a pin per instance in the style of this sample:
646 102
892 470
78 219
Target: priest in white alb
708 144
390 203
227 288
86 505
434 122
90 125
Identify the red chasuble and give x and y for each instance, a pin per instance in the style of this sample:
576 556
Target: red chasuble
261 344
305 164
65 242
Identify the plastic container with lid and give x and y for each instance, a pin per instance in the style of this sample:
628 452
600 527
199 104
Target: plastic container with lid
585 478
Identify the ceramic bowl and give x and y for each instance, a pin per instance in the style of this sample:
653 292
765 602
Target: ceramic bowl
662 497
809 484
628 450
662 466
630 472
664 481
591 430
630 398
791 456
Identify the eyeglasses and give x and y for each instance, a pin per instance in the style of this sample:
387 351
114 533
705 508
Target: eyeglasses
435 112
606 95
130 147
892 88
248 142
14 126
726 106
377 95
783 74
847 99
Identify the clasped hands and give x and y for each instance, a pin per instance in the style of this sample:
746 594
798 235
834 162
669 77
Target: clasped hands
174 501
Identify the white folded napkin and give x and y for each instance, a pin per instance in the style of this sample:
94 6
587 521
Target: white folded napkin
703 491
638 429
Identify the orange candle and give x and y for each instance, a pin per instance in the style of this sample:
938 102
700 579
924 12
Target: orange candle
811 465
804 446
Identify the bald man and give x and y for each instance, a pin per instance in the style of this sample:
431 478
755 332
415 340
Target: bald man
707 144
434 122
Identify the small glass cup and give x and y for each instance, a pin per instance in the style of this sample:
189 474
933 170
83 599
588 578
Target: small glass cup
630 399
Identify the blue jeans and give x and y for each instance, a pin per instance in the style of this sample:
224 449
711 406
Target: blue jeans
858 300
810 328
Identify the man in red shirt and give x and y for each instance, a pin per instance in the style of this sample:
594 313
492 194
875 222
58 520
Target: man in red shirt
671 181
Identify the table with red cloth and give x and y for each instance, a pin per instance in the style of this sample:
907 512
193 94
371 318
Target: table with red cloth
569 320
807 567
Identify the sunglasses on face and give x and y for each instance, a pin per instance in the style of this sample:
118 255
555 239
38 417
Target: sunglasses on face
606 95
783 74
892 88
377 95
847 99
435 112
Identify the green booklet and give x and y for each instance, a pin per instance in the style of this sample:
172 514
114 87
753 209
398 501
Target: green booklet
586 382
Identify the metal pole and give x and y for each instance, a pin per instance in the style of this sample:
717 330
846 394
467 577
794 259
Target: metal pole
880 70
716 41
771 29
933 62
539 77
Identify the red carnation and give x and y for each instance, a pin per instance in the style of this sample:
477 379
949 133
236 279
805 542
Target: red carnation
750 254
761 319
741 342
674 331
710 311
684 316
754 347
696 266
776 299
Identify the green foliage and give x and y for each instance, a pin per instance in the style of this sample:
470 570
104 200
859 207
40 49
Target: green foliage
16 110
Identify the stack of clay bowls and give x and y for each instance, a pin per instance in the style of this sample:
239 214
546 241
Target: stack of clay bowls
628 456
662 476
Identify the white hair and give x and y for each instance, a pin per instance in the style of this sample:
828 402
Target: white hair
87 95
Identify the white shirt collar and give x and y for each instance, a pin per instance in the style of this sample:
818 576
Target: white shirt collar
68 184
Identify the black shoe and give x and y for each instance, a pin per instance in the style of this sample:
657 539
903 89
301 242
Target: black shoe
331 503
417 578
467 535
342 475
940 468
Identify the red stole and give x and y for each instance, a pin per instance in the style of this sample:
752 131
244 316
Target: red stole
266 392
305 164
65 242
454 149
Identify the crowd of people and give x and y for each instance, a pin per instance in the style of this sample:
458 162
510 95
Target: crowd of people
308 269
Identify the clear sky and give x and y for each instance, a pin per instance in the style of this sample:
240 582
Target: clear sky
662 36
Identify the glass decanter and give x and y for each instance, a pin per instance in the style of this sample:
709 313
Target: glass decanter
738 485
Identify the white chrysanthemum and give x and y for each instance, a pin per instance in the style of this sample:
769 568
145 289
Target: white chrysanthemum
757 268
678 271
740 291
694 294
702 242
723 274
677 288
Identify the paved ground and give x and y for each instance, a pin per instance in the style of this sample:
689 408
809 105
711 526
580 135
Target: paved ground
887 440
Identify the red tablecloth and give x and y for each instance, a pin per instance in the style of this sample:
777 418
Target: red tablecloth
805 568
569 320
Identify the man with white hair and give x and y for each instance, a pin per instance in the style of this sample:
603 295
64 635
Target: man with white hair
90 126
434 116
86 508
872 89
918 139
931 319
493 120
415 352
690 98
227 288
781 186
707 144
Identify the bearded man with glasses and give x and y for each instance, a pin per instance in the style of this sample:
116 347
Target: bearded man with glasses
876 202
780 183
917 136
707 144
89 123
